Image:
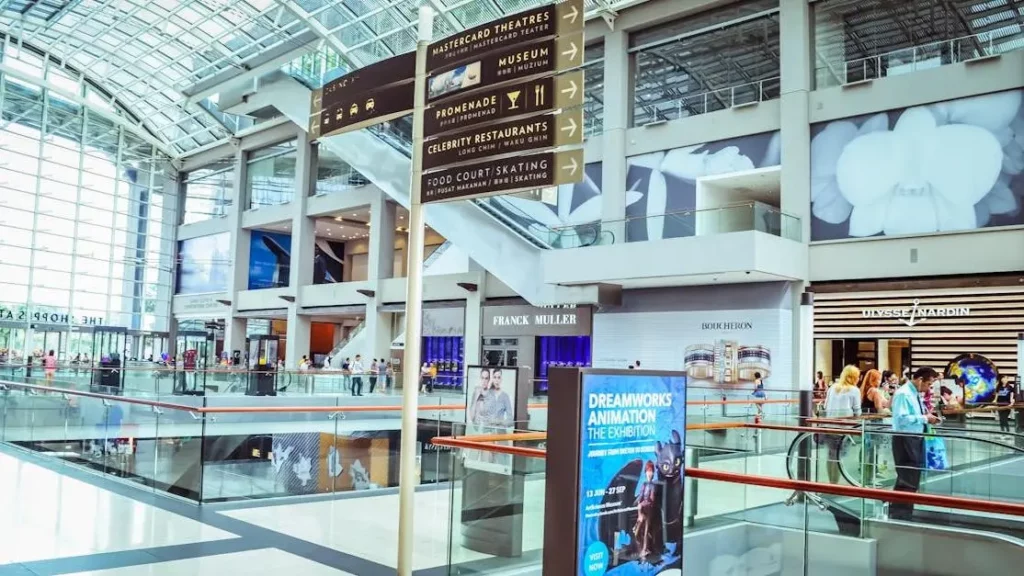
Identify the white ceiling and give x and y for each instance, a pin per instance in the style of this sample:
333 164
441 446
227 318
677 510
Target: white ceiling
353 224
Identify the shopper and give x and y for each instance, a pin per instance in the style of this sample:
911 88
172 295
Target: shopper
759 395
872 401
50 367
841 401
357 375
424 377
1004 399
346 374
373 375
820 386
433 378
908 422
384 373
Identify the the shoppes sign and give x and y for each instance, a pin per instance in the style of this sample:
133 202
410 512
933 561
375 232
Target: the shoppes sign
22 314
917 313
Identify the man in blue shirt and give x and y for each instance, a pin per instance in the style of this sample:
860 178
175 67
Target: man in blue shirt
909 416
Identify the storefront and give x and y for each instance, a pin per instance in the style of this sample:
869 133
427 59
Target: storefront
443 341
539 338
27 331
894 325
724 337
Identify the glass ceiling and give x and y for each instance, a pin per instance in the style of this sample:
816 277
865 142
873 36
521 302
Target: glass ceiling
146 56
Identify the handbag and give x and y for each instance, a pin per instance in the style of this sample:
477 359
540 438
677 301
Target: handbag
935 456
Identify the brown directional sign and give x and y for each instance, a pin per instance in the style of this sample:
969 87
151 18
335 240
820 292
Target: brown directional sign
534 96
522 135
364 109
552 20
394 70
503 175
523 61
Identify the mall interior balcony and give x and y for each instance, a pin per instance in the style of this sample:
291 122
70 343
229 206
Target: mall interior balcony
772 324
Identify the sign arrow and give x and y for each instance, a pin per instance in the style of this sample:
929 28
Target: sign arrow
572 167
571 52
571 128
572 15
571 90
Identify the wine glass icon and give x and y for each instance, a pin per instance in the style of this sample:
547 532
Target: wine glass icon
513 97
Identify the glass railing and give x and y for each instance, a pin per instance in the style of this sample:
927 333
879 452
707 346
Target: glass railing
742 511
647 111
923 57
217 449
751 216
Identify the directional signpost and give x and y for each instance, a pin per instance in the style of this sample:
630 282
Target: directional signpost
501 118
495 91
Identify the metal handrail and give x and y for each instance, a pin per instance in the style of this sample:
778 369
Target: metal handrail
483 444
985 43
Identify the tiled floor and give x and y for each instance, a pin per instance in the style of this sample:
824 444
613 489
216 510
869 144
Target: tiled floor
48 515
265 562
374 534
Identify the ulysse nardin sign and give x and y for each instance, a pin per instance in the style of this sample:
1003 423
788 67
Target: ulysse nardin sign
916 313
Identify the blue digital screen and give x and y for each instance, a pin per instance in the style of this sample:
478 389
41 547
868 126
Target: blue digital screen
630 514
270 260
204 264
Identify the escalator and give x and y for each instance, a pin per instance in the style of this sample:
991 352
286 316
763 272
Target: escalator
980 469
496 234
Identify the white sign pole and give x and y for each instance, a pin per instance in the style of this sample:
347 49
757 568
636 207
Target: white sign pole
413 309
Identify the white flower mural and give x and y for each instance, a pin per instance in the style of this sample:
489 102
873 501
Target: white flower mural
662 183
948 166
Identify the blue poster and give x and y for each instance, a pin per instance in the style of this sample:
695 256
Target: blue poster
270 260
631 474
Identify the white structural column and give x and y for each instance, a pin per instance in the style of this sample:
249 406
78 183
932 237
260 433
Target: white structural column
618 87
381 261
235 328
796 71
380 265
303 241
473 332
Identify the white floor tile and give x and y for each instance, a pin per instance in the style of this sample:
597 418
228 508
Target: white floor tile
368 527
264 562
47 515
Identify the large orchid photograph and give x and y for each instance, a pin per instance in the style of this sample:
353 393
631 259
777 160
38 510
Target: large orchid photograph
661 187
949 166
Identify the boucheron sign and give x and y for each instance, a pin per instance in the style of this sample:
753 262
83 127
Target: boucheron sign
917 313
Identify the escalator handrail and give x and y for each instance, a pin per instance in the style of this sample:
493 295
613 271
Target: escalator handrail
993 507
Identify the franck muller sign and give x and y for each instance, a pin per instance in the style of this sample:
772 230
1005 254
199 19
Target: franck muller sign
916 314
531 321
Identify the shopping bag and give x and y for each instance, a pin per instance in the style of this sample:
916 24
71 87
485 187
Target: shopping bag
935 456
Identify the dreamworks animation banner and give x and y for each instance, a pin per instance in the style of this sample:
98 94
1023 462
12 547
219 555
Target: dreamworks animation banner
632 434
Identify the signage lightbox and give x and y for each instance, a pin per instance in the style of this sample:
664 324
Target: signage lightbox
544 57
396 70
503 175
365 108
523 135
530 97
552 20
